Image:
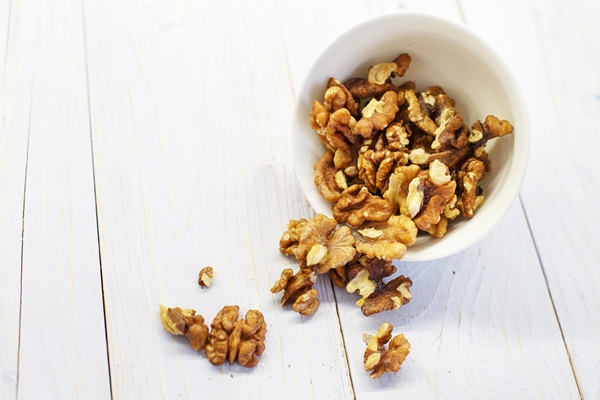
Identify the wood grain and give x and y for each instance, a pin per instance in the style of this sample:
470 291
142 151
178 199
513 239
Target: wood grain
15 105
62 351
192 170
141 141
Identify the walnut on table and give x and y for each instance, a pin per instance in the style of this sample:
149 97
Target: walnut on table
205 276
234 339
367 276
378 358
187 323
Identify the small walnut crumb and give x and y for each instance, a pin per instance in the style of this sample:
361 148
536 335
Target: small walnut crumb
381 360
205 277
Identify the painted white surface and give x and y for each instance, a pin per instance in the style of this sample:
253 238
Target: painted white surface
189 114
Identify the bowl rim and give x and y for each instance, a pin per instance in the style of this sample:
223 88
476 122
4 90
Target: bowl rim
506 78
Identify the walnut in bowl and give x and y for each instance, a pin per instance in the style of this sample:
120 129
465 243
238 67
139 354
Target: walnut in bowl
407 105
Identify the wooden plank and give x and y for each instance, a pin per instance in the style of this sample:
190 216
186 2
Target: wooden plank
551 47
190 107
15 103
62 345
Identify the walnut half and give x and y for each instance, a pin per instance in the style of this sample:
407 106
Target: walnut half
378 358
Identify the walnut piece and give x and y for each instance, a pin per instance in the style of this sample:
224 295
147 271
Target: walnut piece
381 73
471 172
358 205
187 323
307 303
377 115
381 360
390 296
389 239
247 339
325 178
205 277
294 285
221 328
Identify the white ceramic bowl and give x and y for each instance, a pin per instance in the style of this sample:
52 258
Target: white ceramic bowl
443 53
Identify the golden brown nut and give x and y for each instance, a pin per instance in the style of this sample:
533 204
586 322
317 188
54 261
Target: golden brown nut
324 178
363 89
398 186
491 128
218 340
418 115
338 251
187 323
391 296
381 360
377 115
205 277
307 303
380 73
470 173
351 104
247 339
357 205
438 190
387 240
294 285
290 238
319 116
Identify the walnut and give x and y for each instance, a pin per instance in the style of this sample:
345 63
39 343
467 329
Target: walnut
324 178
340 129
398 182
357 205
319 116
290 238
294 285
205 277
221 328
428 195
366 277
338 251
380 73
390 296
491 128
307 303
187 323
449 129
387 240
381 360
363 89
418 115
470 173
351 104
247 339
377 115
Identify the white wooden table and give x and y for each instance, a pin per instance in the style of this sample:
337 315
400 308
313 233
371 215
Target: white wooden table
142 140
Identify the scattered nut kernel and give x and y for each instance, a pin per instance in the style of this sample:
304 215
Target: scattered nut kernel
205 277
381 360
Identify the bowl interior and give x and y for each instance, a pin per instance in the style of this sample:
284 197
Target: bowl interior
443 53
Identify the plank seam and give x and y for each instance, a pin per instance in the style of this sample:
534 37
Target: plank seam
537 252
23 238
87 80
337 311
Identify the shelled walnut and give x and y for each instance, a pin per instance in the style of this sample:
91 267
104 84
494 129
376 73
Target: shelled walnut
378 358
229 339
205 276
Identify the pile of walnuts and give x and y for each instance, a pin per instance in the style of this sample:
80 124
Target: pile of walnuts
405 152
397 161
231 338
